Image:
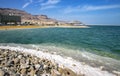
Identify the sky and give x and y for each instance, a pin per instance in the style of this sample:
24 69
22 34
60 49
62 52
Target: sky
97 12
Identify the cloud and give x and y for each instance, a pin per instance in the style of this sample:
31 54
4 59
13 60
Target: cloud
43 5
47 7
101 7
49 4
27 4
89 8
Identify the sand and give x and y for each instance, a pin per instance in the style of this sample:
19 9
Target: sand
37 26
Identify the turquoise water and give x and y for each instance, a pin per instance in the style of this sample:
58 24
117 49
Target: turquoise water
99 40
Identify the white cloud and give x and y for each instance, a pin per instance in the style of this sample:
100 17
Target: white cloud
101 7
43 5
89 8
71 9
47 7
27 4
49 4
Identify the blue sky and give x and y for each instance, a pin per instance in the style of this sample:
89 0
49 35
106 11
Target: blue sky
87 11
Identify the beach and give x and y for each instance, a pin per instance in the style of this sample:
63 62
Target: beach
18 63
8 27
20 27
21 61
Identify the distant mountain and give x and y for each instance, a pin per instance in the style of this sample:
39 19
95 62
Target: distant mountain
35 19
24 15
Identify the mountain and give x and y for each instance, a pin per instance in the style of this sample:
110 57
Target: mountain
35 19
24 15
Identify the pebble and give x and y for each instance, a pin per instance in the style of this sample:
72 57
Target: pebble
19 64
117 73
102 67
1 72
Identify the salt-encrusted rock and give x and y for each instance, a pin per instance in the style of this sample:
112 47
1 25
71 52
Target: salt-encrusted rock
45 66
45 74
28 61
117 73
55 73
17 75
2 72
16 60
16 64
10 64
39 72
32 72
6 74
66 72
24 66
102 67
23 71
73 65
20 56
37 66
22 61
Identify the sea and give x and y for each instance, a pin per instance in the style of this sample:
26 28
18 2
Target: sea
96 46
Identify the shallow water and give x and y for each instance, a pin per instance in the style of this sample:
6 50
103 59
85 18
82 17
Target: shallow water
97 43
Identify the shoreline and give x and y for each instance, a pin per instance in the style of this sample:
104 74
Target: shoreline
14 63
77 67
11 27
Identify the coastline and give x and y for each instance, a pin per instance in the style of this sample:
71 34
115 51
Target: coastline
79 68
14 63
10 27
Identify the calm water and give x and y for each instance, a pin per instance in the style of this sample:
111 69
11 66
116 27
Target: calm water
98 40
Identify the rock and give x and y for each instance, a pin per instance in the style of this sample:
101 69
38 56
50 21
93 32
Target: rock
16 60
83 63
39 72
45 74
37 66
116 72
24 66
32 72
45 66
73 65
23 71
102 67
22 61
6 74
17 75
55 73
27 61
10 64
20 64
67 72
2 72
20 56
32 67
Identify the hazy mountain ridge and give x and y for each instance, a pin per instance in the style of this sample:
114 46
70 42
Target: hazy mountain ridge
36 19
24 15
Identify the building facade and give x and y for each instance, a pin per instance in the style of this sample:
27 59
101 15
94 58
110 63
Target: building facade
9 19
